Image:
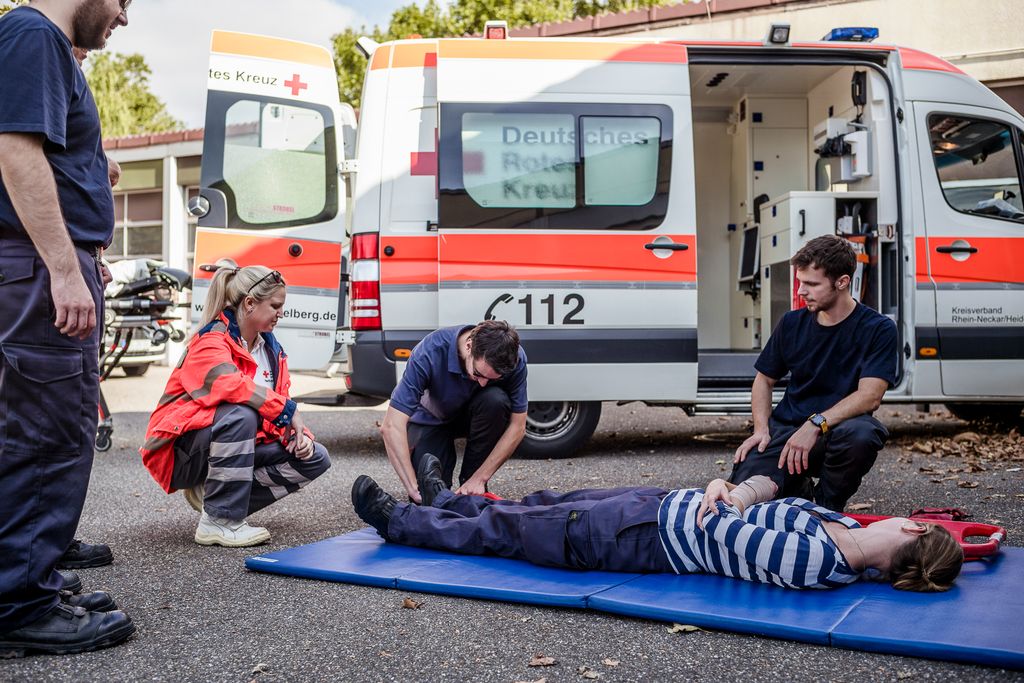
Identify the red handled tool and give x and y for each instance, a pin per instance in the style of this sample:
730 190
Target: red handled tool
961 532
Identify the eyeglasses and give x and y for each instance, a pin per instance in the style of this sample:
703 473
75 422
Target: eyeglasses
273 275
478 375
124 6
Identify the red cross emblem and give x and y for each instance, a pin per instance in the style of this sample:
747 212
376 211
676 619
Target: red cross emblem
296 84
425 163
266 374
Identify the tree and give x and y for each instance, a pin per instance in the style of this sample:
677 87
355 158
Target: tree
120 85
460 17
7 5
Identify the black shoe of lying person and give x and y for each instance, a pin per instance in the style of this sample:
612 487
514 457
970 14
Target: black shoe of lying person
429 480
373 505
80 555
93 601
66 630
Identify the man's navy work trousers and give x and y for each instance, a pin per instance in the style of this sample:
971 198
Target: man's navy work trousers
49 391
481 422
839 460
606 529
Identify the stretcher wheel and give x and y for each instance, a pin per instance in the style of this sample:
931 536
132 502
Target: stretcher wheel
103 441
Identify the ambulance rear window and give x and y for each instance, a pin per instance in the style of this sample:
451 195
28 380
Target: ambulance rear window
274 160
554 165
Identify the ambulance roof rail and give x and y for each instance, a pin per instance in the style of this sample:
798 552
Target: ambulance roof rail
496 30
778 34
853 34
367 46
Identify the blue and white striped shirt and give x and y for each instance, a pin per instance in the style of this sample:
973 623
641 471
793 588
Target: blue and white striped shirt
781 542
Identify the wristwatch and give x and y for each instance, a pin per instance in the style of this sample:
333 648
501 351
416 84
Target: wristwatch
819 421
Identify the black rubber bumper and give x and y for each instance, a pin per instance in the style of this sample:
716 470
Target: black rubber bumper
373 373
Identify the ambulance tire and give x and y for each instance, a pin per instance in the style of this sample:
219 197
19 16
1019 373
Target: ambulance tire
997 413
557 429
135 370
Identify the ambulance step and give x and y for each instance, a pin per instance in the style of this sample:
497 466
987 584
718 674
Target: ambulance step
337 398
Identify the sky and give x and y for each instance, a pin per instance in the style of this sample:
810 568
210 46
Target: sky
174 37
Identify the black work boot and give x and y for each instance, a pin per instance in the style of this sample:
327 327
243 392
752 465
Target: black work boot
428 478
373 505
80 555
94 601
72 582
66 630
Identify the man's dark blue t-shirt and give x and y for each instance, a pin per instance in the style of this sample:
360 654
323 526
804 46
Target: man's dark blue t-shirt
435 387
826 363
43 91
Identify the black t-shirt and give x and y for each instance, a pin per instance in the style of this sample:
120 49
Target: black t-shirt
826 363
43 91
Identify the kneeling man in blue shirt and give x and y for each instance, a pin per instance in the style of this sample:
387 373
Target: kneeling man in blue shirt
463 381
841 357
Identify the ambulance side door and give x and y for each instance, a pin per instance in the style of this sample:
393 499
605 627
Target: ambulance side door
971 170
555 211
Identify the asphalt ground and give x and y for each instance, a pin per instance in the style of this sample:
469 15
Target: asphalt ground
202 617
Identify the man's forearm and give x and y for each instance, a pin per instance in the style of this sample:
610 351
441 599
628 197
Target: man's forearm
28 178
857 403
396 443
502 450
761 402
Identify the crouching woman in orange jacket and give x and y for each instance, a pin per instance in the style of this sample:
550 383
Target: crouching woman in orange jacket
225 430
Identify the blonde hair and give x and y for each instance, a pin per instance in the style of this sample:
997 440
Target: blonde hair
929 563
232 284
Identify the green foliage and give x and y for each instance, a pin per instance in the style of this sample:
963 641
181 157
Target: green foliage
7 5
436 19
120 85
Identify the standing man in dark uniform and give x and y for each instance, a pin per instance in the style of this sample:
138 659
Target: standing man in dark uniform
841 358
56 212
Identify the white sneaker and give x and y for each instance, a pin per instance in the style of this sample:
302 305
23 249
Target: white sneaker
194 496
229 533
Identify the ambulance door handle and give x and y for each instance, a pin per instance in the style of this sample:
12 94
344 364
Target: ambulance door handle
666 245
956 250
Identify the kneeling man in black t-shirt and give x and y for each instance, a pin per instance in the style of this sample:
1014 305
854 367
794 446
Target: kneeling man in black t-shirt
841 358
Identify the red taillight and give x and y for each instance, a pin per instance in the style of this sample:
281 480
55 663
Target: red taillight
364 294
364 246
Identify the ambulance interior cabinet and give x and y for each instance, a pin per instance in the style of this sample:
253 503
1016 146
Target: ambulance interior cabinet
788 222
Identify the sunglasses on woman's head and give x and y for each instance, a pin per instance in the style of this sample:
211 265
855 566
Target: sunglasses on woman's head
273 275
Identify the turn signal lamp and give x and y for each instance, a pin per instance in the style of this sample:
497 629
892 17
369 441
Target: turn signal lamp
403 353
928 351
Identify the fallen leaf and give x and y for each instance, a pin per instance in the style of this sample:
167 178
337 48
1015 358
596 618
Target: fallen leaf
683 628
385 653
409 603
259 669
900 675
1014 469
587 672
719 462
859 506
923 447
967 484
971 437
542 660
539 680
610 662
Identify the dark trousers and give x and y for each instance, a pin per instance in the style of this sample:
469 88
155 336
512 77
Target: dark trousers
605 529
481 422
839 461
240 475
49 394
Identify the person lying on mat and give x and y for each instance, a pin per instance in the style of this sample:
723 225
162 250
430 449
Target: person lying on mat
731 530
225 429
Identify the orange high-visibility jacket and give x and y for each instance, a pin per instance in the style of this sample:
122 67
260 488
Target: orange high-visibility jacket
215 368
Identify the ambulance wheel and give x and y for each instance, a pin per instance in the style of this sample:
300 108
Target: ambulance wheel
135 370
998 413
557 429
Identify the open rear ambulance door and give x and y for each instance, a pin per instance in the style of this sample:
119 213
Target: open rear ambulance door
271 193
555 163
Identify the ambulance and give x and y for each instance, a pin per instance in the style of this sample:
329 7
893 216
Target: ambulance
630 205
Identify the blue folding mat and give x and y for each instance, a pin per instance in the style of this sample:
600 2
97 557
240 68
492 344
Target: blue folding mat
974 622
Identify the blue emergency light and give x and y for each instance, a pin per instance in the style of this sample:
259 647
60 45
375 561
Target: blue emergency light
853 34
